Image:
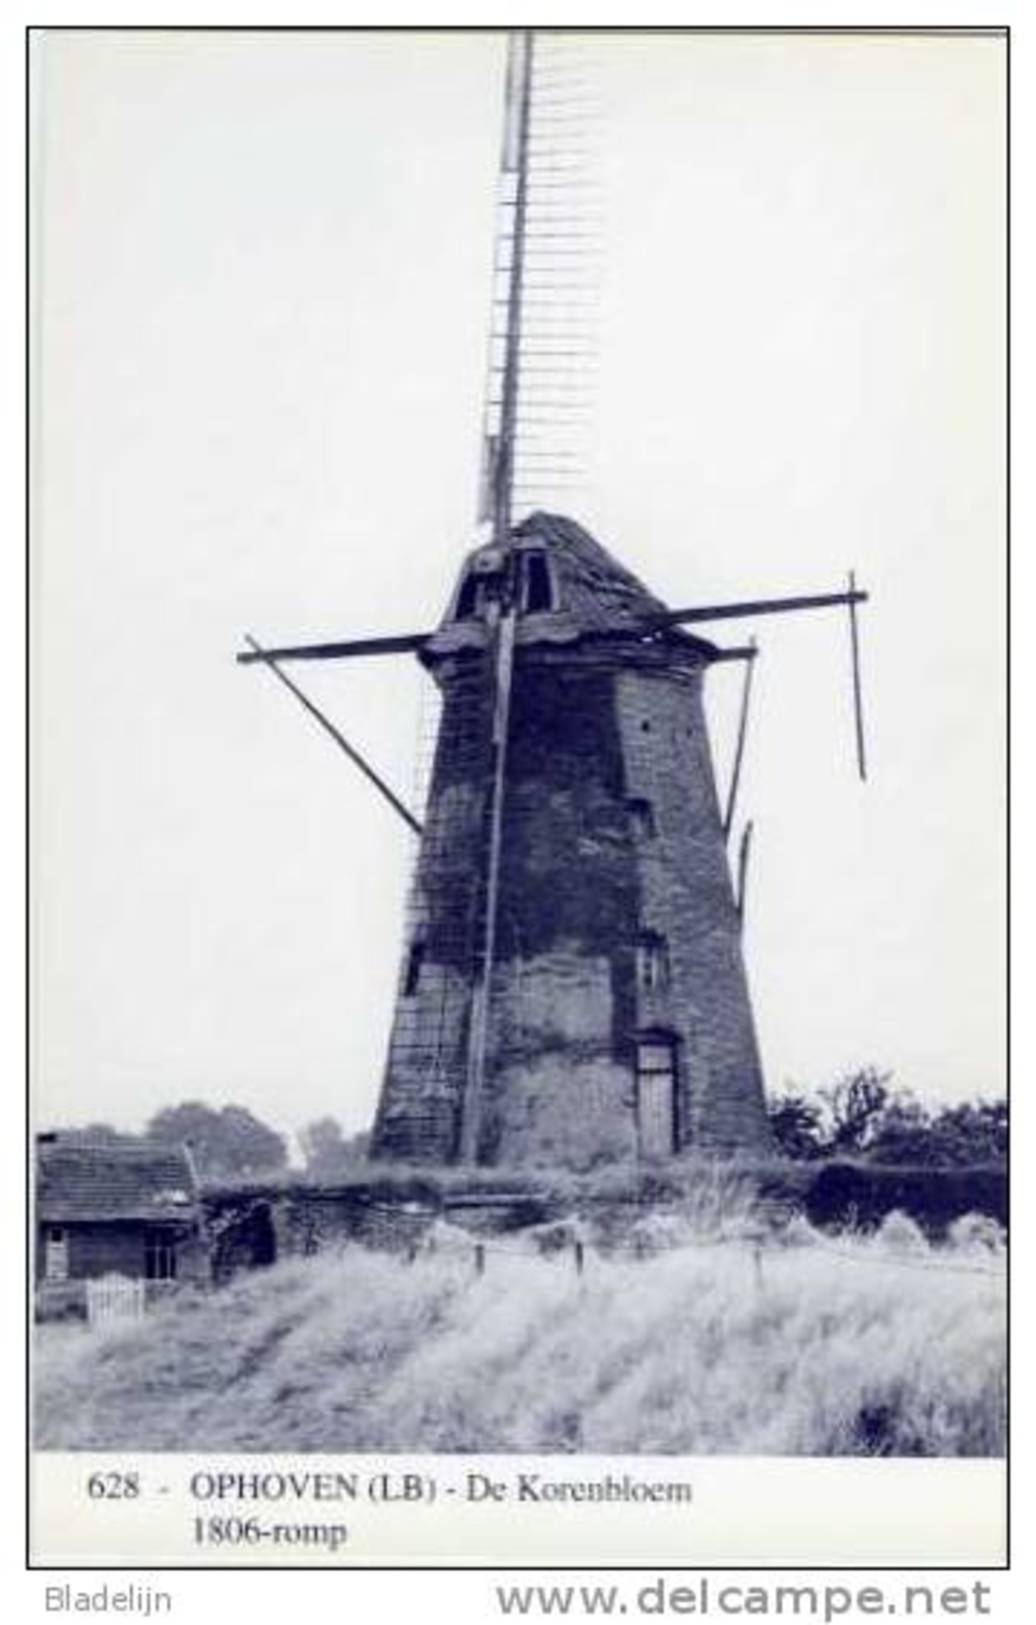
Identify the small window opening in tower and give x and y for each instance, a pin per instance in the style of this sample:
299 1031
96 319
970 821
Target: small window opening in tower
414 963
652 962
539 589
642 818
467 599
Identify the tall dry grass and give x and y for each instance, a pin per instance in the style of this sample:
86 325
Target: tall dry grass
867 1347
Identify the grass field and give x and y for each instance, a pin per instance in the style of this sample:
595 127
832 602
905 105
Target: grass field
856 1348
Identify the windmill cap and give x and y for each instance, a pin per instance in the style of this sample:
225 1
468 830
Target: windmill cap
582 591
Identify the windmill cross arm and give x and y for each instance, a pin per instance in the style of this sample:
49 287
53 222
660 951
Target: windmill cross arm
404 644
760 606
743 651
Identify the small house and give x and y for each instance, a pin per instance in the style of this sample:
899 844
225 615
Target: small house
129 1208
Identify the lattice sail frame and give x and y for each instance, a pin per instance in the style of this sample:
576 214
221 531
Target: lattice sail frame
542 362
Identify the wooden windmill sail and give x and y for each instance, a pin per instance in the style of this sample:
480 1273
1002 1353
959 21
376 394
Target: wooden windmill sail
572 981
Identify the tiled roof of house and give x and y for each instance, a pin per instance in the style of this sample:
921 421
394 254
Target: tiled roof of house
145 1180
596 596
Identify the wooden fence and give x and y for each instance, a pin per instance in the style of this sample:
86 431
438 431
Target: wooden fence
114 1300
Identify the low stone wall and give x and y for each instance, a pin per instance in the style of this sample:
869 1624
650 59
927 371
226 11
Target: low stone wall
249 1228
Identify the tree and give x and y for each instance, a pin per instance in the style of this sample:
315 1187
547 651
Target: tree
903 1132
322 1144
797 1126
855 1104
974 1132
861 1116
249 1146
326 1149
231 1141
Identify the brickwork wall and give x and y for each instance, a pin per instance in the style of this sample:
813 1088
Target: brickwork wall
687 899
558 1086
557 1094
592 728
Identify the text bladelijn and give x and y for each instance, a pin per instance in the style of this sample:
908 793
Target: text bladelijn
140 1600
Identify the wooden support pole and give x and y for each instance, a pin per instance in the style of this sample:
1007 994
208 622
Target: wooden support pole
854 640
329 728
514 162
739 751
471 1109
742 871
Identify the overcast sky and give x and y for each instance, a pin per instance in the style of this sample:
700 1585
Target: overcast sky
263 274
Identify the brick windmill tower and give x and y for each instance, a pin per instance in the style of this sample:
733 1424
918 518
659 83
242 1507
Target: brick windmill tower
572 982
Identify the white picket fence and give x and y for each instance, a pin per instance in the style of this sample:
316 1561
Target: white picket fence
113 1300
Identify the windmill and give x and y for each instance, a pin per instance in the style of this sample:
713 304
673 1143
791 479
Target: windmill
572 981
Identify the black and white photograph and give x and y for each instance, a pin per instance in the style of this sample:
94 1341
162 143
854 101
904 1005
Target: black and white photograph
517 608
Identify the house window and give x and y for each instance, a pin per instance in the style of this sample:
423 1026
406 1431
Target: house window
642 818
656 1095
539 590
55 1253
412 975
467 599
159 1256
652 962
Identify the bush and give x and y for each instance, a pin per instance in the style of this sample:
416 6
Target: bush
658 1231
898 1233
852 1193
976 1233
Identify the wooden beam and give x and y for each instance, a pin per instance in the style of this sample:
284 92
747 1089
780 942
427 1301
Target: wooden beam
854 638
742 730
742 872
404 644
268 659
743 651
759 606
514 161
478 1036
